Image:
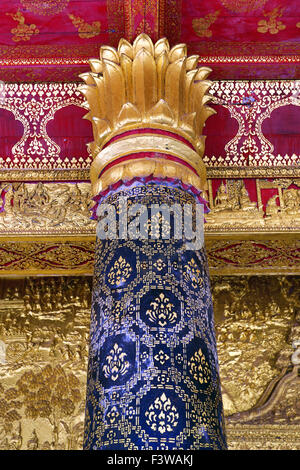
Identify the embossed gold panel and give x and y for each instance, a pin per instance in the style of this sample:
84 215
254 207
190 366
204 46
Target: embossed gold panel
44 327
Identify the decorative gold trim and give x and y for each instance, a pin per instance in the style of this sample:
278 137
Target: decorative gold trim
252 172
59 174
145 166
74 255
65 61
222 172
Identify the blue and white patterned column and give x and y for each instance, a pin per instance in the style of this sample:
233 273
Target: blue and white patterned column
153 380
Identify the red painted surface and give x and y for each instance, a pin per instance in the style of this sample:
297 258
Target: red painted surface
282 129
219 129
11 132
70 131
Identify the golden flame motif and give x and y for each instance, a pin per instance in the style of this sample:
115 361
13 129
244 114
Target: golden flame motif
119 272
199 367
150 86
162 311
162 415
115 363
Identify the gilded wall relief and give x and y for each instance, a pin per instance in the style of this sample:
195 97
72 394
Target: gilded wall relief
35 208
275 205
44 208
274 423
257 322
44 329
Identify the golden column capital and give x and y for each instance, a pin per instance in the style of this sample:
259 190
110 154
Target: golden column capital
148 105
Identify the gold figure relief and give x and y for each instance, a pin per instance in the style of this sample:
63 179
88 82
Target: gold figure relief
23 31
282 209
272 25
232 205
48 207
256 323
86 30
44 328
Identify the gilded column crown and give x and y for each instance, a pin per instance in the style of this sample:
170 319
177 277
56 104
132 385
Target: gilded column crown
147 86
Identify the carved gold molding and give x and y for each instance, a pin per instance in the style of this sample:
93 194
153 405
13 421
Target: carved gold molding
253 256
251 437
64 256
83 174
253 172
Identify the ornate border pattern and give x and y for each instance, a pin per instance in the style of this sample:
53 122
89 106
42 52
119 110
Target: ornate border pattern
250 103
248 153
75 256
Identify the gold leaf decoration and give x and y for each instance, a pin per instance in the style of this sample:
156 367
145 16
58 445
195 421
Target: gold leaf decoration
85 30
272 25
22 32
201 25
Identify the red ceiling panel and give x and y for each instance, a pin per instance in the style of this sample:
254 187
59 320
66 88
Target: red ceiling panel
238 38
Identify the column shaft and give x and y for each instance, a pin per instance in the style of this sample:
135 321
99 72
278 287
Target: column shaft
153 380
